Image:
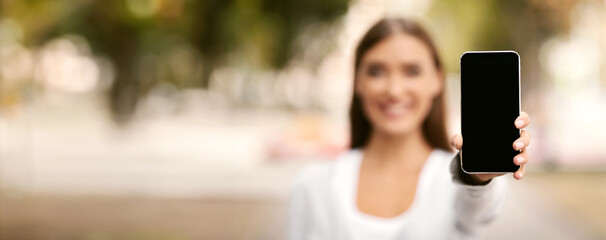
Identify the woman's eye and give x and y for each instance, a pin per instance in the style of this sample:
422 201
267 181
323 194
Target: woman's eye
412 71
375 71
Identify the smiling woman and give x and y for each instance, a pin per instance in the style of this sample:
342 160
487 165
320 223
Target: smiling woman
399 180
421 62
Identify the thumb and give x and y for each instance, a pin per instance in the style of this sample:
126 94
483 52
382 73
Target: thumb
457 141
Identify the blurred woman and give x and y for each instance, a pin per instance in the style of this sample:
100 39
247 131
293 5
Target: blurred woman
399 180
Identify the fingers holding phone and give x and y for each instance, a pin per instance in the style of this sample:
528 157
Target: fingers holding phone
520 159
521 144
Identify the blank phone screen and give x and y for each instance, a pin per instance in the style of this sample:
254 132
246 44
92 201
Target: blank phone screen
490 103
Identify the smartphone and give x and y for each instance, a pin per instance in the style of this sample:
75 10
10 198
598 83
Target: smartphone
490 103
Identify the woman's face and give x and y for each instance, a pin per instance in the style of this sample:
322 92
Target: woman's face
397 82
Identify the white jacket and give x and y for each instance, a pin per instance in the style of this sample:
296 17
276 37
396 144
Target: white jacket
323 203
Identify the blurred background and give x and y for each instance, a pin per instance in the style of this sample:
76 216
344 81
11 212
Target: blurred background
183 119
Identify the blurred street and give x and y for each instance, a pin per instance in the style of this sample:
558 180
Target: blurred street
535 209
188 180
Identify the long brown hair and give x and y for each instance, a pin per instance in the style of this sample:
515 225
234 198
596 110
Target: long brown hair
434 126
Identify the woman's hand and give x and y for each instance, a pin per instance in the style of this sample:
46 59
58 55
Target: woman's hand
519 144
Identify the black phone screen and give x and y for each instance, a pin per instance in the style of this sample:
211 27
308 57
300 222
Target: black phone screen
490 103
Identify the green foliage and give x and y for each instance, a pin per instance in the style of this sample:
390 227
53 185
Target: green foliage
143 38
126 31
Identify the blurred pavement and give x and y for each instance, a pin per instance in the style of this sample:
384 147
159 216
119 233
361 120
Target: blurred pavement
69 174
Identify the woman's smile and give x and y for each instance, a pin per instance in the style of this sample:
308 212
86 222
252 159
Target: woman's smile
394 110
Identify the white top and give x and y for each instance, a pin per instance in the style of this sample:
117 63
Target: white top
323 203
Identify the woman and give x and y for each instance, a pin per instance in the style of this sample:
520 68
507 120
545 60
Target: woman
399 180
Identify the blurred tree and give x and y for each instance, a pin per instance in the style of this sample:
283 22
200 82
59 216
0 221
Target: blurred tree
521 25
126 31
269 25
261 33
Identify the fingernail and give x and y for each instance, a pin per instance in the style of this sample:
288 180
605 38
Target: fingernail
519 123
454 141
519 145
519 160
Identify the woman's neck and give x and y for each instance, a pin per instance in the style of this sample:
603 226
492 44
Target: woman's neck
407 151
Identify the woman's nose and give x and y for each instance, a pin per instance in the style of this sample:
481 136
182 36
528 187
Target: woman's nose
396 86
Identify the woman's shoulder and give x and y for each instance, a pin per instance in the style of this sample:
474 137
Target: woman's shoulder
316 175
